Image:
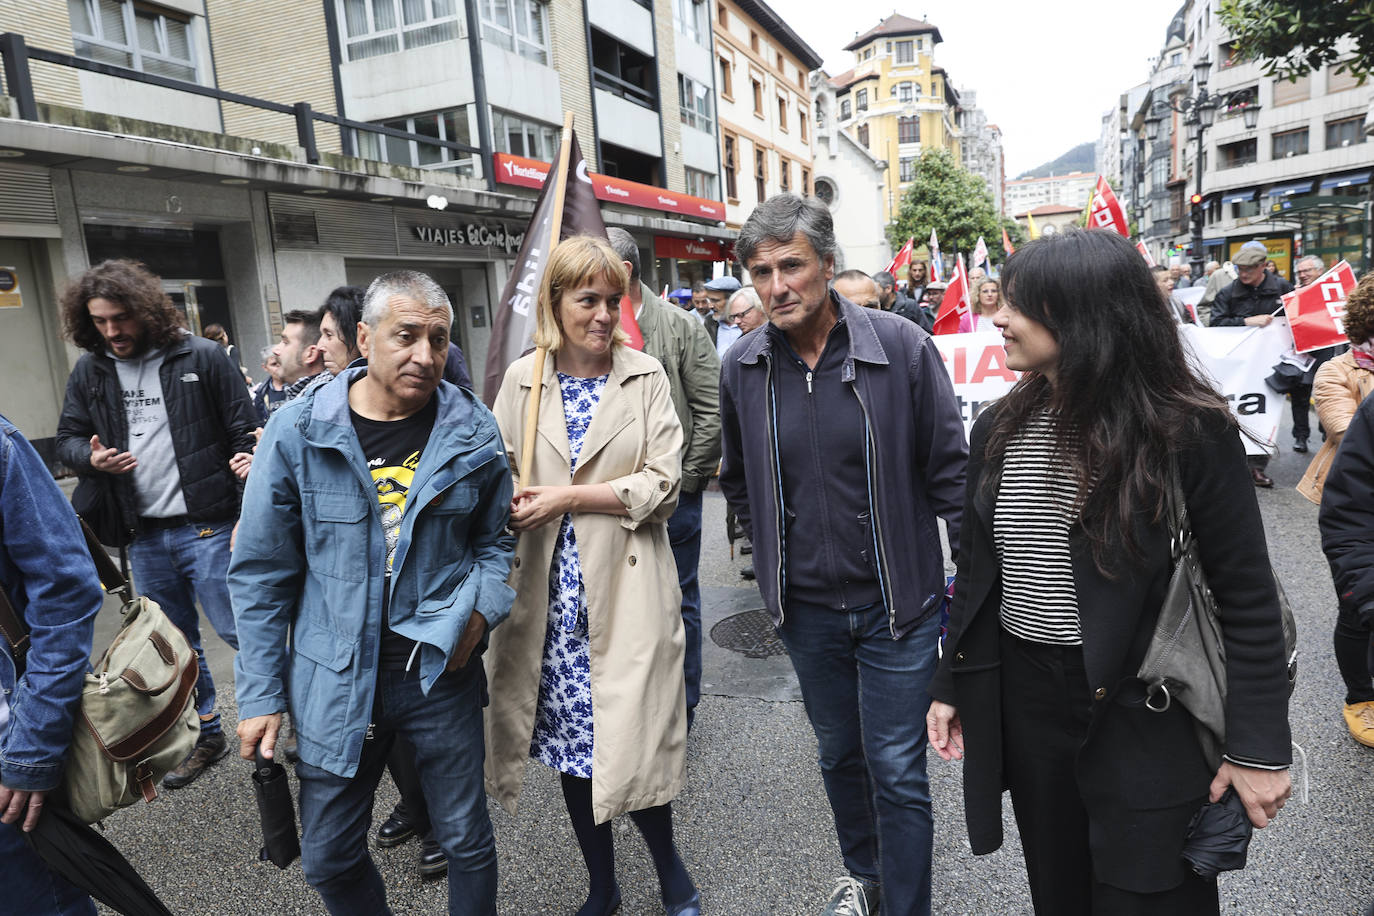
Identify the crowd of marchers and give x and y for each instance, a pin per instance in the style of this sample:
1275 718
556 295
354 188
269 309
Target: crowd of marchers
416 583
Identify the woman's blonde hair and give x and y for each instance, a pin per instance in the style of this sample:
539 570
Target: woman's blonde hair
978 295
575 261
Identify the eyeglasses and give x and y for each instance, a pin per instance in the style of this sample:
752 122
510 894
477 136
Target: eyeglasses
736 316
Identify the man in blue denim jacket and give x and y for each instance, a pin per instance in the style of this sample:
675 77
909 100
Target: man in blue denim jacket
47 573
371 559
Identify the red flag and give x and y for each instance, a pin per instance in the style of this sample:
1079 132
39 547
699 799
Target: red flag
1007 246
1106 212
955 304
1145 253
900 262
512 326
630 325
1316 312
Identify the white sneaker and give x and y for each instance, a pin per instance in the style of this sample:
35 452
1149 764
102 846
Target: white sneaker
852 897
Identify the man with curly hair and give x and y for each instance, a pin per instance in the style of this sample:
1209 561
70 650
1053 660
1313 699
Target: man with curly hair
152 421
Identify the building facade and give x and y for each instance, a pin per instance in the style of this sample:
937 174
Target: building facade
852 182
762 72
1069 190
376 148
980 147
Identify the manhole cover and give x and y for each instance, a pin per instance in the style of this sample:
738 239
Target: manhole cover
750 633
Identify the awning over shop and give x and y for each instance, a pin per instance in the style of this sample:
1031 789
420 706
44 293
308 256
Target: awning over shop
1239 197
1292 188
691 249
1345 180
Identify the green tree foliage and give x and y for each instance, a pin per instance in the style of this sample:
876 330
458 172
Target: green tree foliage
953 202
1294 37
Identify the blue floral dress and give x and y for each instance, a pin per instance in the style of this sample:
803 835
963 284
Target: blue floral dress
563 720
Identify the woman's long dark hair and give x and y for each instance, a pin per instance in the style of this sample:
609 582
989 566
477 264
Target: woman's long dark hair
1125 394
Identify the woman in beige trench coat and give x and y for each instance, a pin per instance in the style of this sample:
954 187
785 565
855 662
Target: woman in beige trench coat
586 674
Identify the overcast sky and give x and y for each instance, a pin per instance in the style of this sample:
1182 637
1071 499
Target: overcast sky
1044 72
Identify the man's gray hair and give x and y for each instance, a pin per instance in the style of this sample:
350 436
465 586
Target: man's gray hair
266 352
628 249
884 280
408 283
747 293
1321 265
780 218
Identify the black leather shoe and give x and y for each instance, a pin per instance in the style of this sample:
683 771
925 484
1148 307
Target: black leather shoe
689 907
1300 445
1261 479
433 862
394 831
747 572
208 750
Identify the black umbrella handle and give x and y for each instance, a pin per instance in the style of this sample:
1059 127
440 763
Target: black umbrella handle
261 764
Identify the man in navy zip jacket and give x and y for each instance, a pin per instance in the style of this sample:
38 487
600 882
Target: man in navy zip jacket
842 443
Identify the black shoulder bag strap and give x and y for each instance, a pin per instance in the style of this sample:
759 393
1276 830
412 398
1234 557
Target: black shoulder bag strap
12 626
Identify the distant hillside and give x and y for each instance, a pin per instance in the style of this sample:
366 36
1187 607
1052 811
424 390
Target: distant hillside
1082 158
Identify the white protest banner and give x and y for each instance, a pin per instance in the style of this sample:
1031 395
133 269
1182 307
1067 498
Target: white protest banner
1237 366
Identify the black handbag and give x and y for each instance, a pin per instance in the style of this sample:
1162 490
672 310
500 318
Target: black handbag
1186 660
97 503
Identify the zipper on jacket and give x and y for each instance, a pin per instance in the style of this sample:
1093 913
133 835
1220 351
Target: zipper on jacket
809 375
870 465
776 469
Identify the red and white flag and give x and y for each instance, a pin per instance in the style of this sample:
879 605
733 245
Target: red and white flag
1145 253
1106 212
980 252
1007 246
1316 312
902 260
955 305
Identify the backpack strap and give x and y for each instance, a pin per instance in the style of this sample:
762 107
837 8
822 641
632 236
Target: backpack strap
15 633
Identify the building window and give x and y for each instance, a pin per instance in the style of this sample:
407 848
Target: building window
863 135
905 52
861 100
844 110
1345 132
758 97
907 168
1242 152
731 165
516 25
1338 79
909 130
801 80
1228 55
782 63
761 174
695 104
520 137
825 192
782 113
727 89
754 41
139 37
905 92
700 184
623 71
1290 143
801 123
1286 93
451 126
722 16
806 183
784 173
690 16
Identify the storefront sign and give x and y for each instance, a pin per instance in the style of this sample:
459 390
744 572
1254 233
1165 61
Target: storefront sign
470 235
666 246
1280 252
9 289
530 173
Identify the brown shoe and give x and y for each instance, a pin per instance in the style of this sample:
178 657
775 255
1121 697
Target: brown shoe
1260 478
208 750
1359 718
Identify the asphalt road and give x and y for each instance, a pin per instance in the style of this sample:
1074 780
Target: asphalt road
753 824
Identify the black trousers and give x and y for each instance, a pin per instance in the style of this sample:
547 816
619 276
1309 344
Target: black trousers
1046 706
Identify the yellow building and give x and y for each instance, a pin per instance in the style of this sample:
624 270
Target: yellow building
895 101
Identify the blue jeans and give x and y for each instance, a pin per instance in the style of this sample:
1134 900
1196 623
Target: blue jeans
176 567
445 729
684 533
29 887
865 694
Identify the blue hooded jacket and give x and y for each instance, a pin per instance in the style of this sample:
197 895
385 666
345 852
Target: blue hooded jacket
308 568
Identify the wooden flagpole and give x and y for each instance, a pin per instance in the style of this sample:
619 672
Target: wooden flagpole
560 175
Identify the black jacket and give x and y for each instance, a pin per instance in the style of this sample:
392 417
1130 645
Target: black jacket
209 410
1237 302
1141 774
1346 518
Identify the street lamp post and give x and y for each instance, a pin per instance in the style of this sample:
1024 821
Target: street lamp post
1199 112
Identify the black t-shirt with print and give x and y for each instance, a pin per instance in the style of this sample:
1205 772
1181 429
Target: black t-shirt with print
392 449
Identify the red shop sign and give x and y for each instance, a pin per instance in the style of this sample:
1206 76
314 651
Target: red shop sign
530 173
667 246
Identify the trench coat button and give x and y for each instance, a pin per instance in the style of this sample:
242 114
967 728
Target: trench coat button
633 561
1100 693
516 563
959 656
663 485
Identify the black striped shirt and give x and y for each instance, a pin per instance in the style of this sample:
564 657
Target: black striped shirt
1037 502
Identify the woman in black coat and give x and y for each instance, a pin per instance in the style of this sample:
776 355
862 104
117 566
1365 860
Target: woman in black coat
1063 563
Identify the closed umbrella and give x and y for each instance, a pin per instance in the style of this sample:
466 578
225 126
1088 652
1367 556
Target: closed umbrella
281 844
78 852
